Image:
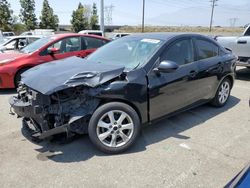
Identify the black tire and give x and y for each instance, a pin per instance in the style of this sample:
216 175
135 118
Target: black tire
18 76
102 111
216 100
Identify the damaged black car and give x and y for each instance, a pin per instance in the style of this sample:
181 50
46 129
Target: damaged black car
127 83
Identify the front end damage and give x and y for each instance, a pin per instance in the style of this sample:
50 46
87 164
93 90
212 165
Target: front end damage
68 110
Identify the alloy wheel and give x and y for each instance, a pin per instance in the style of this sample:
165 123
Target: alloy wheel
224 92
115 128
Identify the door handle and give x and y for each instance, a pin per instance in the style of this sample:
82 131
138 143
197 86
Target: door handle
192 74
242 42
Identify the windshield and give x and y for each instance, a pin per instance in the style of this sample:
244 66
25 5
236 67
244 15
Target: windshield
3 40
129 52
37 44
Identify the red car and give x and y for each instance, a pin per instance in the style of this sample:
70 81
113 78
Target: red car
45 50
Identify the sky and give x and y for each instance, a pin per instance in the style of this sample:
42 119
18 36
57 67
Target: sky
157 12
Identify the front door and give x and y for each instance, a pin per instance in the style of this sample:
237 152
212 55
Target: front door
169 92
68 47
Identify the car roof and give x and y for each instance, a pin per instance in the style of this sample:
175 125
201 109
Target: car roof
24 36
164 35
97 31
57 36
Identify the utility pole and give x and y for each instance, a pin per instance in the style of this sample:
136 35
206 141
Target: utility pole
108 14
212 14
233 21
143 16
102 17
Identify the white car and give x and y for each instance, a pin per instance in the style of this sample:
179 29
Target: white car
92 32
119 35
239 45
17 42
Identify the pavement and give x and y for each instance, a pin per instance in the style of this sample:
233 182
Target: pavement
203 147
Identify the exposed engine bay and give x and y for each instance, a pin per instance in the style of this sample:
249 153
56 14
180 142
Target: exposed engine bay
62 111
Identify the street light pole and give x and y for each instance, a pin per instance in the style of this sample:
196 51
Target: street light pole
143 16
102 17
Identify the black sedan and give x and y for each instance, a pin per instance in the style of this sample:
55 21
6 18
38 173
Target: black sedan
126 83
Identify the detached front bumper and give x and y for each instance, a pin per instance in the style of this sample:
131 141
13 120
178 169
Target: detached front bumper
24 109
29 114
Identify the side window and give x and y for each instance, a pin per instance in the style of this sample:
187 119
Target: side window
181 52
206 49
247 33
66 45
22 43
72 44
94 42
11 45
32 39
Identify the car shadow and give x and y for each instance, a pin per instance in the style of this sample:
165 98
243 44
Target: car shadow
7 91
81 149
243 74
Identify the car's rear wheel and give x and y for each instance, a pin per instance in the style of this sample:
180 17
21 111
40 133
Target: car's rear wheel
114 127
222 93
18 76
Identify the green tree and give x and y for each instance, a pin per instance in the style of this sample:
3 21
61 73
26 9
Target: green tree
79 20
27 14
48 19
94 18
5 15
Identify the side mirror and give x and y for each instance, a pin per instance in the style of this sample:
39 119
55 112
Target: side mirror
166 67
53 51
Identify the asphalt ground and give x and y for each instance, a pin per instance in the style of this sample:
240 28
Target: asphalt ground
203 147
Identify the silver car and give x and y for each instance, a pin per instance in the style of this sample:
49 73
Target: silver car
16 42
239 45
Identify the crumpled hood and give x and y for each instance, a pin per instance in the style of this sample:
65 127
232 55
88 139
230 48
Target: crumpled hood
70 72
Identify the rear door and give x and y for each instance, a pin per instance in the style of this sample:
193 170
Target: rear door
169 92
90 44
242 47
210 65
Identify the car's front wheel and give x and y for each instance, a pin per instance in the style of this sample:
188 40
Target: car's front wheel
222 93
114 127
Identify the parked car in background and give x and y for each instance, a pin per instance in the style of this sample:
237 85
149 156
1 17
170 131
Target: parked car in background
46 49
126 83
119 35
26 33
92 32
8 34
44 32
9 44
239 45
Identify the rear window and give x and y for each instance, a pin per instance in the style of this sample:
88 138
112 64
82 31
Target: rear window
98 34
206 49
94 42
